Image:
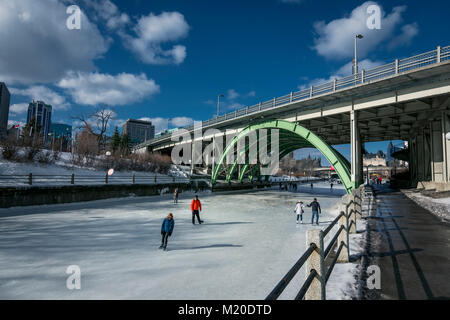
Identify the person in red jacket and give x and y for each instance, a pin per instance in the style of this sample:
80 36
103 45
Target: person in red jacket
196 207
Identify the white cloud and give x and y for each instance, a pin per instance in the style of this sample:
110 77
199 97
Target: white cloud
108 12
342 72
409 31
38 47
232 94
335 40
113 90
161 124
45 94
152 32
18 108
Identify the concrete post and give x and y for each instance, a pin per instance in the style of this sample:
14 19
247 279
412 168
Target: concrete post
356 163
446 146
314 263
343 237
72 179
358 207
351 216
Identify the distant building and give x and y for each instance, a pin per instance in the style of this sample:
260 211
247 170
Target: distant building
61 130
138 130
61 135
4 109
43 113
374 160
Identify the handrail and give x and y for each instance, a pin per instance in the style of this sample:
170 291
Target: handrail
306 285
380 72
279 288
72 179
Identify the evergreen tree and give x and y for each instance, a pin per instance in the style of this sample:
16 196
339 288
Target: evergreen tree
125 144
116 140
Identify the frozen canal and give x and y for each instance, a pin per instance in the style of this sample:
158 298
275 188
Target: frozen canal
247 244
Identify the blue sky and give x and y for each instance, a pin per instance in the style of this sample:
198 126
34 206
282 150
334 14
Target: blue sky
170 59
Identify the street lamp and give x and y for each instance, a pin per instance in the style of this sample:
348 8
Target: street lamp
218 103
355 61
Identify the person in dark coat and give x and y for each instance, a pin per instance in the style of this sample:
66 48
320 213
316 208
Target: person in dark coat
315 207
175 195
166 230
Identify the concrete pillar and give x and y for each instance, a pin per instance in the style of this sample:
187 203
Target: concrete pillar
316 290
356 156
446 145
343 237
352 217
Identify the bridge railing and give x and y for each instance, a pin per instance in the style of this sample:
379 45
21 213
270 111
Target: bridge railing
43 180
320 260
365 76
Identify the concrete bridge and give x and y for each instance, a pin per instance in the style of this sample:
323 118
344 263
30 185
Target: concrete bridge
407 99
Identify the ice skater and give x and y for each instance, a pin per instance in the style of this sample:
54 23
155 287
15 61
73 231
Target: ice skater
196 208
175 196
315 206
299 211
166 230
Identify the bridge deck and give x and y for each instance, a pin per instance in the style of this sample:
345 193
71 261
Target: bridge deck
413 251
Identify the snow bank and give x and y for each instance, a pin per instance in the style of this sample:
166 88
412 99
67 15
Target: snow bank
438 207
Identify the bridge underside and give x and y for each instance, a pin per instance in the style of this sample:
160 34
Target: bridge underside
423 123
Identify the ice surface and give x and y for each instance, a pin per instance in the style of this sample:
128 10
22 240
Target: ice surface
247 244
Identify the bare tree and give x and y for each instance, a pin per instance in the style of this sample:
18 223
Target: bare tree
97 124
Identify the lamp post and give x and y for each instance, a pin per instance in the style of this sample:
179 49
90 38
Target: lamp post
218 103
355 61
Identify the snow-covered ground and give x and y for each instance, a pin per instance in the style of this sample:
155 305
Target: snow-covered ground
247 244
439 207
59 173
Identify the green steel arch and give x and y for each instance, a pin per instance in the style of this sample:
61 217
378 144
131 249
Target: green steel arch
292 137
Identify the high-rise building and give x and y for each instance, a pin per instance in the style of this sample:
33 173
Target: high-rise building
43 114
61 135
61 130
4 109
138 130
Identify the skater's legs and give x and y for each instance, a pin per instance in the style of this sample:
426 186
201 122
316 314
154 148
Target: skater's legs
198 217
195 213
165 237
315 214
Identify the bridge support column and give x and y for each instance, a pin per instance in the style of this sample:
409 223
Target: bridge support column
446 145
356 155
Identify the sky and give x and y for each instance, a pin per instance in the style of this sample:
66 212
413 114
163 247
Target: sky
170 59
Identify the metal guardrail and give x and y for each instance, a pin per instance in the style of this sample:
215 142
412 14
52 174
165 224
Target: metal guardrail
31 179
364 77
322 270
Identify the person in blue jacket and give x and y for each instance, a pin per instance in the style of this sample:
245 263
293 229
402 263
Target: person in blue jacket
166 230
